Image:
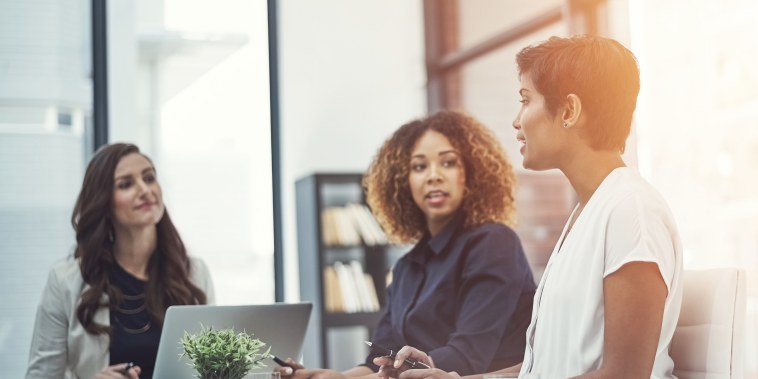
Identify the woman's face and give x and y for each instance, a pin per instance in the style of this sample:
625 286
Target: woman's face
437 179
538 130
137 197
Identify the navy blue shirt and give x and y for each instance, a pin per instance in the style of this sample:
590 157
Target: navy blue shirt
464 297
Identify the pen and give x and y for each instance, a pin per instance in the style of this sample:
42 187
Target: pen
390 353
126 369
281 362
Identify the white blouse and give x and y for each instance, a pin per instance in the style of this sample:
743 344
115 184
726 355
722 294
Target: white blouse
625 220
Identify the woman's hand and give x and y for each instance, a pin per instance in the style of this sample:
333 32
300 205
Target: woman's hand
119 371
319 373
285 371
298 371
429 373
389 368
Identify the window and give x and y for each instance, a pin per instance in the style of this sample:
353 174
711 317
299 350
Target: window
471 48
698 144
45 113
195 99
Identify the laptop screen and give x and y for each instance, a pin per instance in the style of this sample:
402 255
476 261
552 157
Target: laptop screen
280 326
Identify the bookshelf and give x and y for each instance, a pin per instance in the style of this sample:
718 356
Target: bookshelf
344 259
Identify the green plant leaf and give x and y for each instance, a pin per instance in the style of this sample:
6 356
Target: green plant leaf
223 353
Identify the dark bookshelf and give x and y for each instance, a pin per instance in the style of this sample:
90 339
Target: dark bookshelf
314 193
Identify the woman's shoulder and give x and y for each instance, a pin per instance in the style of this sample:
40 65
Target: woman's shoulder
493 246
491 235
66 269
200 275
494 229
196 261
628 185
65 277
638 200
198 268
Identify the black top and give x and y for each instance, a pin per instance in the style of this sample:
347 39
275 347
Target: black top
134 337
464 297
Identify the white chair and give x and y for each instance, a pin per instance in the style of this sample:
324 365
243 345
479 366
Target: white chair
709 341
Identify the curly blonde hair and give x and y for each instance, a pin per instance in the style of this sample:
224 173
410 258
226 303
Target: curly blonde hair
490 181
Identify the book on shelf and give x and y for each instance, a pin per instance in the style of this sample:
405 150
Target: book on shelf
337 228
329 230
364 298
332 292
350 300
348 289
349 225
373 296
370 231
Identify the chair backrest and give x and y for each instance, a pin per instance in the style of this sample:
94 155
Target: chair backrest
709 340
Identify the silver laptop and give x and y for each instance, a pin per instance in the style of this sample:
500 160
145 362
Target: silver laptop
281 326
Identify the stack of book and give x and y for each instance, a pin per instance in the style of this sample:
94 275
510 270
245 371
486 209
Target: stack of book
348 289
349 225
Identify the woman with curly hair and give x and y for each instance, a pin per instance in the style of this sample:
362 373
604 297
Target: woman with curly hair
101 312
464 291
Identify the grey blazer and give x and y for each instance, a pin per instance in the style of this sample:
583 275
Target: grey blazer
61 348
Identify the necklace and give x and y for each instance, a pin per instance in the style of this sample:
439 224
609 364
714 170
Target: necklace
131 310
140 330
132 315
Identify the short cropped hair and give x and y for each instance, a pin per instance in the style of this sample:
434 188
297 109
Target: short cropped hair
600 71
490 181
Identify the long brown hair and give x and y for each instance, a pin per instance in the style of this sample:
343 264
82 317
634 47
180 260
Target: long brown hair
168 268
490 181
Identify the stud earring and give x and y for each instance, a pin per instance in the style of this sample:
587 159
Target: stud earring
566 125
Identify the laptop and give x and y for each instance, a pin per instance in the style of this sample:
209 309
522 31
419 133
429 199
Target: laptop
281 326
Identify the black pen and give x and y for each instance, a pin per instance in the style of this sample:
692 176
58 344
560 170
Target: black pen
125 370
391 353
281 362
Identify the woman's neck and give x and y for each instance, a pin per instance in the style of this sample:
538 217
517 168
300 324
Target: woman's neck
133 249
587 168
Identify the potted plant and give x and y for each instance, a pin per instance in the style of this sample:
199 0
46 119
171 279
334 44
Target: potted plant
217 354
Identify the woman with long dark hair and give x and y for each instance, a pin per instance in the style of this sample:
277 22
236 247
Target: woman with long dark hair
102 310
